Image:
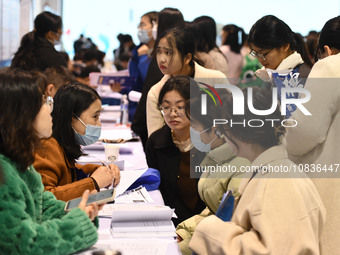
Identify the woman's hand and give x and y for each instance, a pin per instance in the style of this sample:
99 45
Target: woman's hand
116 174
115 86
104 176
92 209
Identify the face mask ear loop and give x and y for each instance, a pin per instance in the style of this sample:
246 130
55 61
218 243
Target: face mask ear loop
81 121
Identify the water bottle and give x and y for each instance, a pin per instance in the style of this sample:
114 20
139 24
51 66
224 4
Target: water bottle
124 110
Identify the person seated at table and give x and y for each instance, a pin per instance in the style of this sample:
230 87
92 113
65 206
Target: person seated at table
168 150
213 183
32 220
278 212
56 77
75 122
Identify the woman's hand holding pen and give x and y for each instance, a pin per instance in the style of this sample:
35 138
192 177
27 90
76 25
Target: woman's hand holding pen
103 176
116 174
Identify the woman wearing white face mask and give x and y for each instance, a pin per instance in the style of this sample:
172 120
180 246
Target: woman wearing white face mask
75 122
141 57
212 184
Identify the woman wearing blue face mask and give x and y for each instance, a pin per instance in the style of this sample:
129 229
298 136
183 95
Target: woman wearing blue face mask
213 183
75 122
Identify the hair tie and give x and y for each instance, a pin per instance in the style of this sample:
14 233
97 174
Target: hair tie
240 37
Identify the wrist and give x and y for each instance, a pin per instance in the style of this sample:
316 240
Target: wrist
95 184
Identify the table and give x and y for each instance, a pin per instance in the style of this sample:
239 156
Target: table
134 159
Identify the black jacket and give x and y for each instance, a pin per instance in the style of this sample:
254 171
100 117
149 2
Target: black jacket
163 155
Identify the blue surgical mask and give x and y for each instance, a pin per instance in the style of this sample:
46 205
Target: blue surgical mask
197 140
143 36
92 134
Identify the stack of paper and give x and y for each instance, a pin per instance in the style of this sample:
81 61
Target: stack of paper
142 220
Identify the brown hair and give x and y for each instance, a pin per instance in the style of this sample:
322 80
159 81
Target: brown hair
20 102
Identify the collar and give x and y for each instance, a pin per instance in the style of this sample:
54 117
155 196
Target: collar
222 153
287 64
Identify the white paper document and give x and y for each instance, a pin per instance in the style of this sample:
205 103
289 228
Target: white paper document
127 178
141 221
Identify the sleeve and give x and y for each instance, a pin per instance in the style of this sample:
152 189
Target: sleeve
150 153
23 231
153 115
50 164
313 129
88 168
286 220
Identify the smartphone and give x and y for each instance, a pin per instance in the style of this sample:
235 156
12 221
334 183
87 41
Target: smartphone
98 198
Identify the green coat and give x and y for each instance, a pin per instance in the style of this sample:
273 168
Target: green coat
211 187
33 221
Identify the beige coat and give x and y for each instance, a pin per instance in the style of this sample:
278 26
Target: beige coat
211 187
273 216
316 139
153 115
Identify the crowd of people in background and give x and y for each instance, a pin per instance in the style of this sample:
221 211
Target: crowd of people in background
173 64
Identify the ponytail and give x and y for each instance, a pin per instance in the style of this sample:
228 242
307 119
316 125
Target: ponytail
301 48
24 57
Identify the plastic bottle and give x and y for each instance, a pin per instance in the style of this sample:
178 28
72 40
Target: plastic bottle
124 110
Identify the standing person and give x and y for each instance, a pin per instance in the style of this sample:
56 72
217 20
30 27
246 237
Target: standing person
314 142
36 49
167 18
169 151
282 53
277 212
233 38
141 57
207 51
175 51
75 122
33 221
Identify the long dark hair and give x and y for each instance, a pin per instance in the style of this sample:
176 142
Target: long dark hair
20 102
183 40
180 83
330 35
206 33
43 23
270 32
268 135
69 102
236 37
169 18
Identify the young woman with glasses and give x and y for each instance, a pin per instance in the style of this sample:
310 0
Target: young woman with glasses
33 221
168 150
281 52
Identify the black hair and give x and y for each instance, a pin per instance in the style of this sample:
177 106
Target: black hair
85 72
236 37
58 76
21 99
180 83
69 102
214 111
43 23
183 40
270 32
152 16
330 35
169 18
268 135
206 33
